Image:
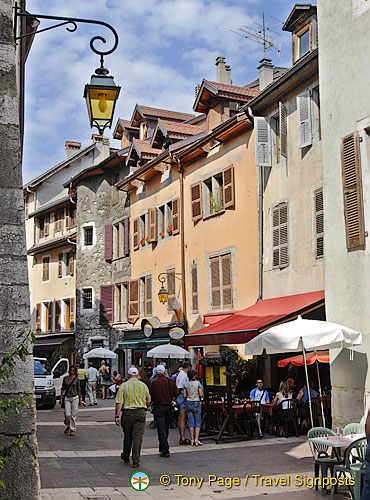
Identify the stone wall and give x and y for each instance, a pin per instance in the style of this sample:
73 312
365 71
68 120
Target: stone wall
21 474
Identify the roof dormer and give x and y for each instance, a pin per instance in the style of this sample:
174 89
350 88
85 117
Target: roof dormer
302 23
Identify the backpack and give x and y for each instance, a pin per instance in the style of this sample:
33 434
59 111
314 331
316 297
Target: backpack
106 375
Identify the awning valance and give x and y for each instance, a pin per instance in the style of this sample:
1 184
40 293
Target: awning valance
52 340
244 325
135 343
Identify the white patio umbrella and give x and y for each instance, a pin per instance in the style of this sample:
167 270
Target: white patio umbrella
100 352
302 335
168 351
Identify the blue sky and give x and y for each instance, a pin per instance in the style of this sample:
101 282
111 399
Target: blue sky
166 47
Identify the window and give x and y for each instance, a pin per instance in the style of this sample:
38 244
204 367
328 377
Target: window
275 126
316 101
221 282
45 269
194 288
118 240
87 298
217 191
304 42
171 288
65 264
214 195
146 295
59 216
47 316
280 254
71 213
26 206
121 302
44 226
168 219
67 314
142 230
319 223
58 315
352 192
88 235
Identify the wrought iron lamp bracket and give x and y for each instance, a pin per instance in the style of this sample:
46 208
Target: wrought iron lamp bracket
163 276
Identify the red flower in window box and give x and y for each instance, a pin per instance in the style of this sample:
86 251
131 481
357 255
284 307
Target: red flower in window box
169 229
161 234
142 242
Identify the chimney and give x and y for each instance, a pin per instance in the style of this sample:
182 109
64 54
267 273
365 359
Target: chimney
72 147
223 71
266 73
97 138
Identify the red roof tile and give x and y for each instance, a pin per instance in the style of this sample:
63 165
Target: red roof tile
182 128
146 148
226 90
164 113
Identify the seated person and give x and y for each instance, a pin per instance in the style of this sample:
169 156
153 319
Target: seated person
259 393
303 393
292 387
284 393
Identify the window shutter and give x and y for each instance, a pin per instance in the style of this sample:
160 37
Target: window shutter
126 225
196 201
58 306
45 269
304 119
133 309
50 316
148 296
136 233
262 142
227 293
38 317
215 283
194 289
283 130
46 225
72 312
153 227
352 191
280 257
176 216
108 248
171 288
228 186
106 303
71 263
68 218
26 206
60 265
319 222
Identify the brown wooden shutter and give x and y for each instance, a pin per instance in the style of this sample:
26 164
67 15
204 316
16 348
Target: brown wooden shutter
194 289
60 265
50 316
108 242
153 225
46 225
215 283
176 216
227 290
228 186
148 296
58 314
133 309
136 233
171 288
196 201
319 222
45 268
72 312
71 263
38 317
106 303
352 191
126 224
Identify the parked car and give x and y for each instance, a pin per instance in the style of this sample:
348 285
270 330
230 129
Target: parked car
48 382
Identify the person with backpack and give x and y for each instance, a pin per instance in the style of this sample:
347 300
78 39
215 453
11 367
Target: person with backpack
105 379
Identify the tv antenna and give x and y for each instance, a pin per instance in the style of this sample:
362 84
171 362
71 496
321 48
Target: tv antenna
259 35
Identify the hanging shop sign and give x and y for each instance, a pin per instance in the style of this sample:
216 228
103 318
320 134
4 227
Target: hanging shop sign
148 330
176 333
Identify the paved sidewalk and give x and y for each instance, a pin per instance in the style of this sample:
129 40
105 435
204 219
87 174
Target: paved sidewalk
88 465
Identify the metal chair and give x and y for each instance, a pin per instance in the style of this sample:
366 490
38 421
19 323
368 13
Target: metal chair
250 412
289 415
354 464
354 428
320 454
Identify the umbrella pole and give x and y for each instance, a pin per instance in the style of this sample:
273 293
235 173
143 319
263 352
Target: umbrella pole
308 382
322 406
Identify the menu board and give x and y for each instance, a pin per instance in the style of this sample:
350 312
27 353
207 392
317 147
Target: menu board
215 375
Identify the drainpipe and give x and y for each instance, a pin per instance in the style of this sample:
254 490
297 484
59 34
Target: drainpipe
182 236
71 242
260 220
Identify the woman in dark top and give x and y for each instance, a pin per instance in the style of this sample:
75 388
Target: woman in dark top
71 394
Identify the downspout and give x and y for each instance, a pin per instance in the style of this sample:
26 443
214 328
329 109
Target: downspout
260 220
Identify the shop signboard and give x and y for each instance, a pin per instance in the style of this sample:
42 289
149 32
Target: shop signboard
176 333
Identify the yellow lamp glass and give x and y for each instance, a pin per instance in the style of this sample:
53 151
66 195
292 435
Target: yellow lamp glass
163 295
101 96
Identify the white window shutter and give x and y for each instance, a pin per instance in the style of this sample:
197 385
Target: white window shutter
283 130
304 119
263 141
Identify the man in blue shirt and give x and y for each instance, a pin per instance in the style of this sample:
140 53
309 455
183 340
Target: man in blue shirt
262 396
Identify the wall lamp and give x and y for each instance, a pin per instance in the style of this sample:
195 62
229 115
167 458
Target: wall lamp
163 293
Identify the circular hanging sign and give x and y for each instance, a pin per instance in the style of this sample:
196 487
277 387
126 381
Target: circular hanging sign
148 330
176 333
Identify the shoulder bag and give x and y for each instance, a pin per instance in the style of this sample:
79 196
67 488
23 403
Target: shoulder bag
65 392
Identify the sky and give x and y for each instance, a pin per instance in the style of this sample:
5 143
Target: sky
165 48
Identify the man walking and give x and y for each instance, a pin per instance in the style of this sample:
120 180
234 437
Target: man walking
82 377
163 390
182 377
132 399
92 377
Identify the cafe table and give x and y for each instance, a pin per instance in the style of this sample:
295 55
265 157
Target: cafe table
337 442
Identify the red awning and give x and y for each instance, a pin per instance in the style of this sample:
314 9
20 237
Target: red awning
244 325
211 318
311 358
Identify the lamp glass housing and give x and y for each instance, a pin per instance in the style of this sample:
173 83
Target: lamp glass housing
101 96
163 295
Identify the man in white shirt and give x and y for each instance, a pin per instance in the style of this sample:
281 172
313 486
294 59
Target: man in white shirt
92 377
182 377
262 396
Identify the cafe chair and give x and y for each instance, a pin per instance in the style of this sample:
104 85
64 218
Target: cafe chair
320 454
289 415
250 412
354 464
354 428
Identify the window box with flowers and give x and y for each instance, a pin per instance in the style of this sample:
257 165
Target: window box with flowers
169 230
143 241
162 234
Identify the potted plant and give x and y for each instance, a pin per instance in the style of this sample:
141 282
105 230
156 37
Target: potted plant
142 242
169 230
162 234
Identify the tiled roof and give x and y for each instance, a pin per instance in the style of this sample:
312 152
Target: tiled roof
226 90
146 148
182 128
164 113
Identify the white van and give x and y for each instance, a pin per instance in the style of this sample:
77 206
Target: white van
48 382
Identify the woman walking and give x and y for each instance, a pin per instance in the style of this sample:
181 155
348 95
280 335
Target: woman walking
105 379
193 391
70 394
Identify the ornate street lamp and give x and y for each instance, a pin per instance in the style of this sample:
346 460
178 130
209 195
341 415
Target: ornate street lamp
163 295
